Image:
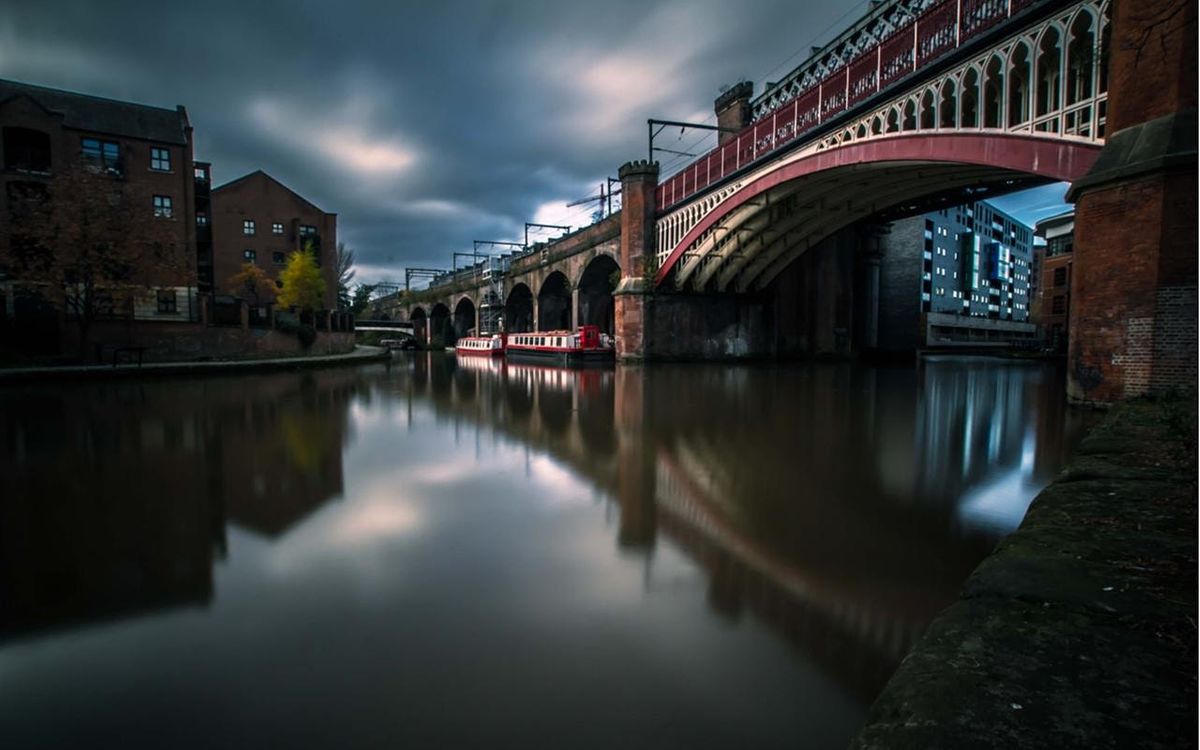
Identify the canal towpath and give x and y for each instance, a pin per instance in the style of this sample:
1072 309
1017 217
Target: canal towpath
1080 629
360 355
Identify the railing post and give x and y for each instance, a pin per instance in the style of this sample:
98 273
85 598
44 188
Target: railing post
878 67
916 46
957 24
820 102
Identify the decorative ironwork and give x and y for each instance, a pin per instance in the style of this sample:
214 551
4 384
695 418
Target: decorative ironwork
1064 96
919 32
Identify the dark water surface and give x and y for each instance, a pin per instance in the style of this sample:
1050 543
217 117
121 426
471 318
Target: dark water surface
467 554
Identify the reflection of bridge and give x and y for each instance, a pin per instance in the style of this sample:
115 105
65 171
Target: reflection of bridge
850 576
767 244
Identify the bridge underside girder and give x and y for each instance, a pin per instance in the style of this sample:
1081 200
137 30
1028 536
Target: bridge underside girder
748 247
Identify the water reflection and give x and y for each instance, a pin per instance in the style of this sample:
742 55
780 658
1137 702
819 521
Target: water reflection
843 505
116 496
508 542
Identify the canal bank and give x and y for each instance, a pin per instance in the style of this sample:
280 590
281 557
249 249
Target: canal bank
1080 629
359 355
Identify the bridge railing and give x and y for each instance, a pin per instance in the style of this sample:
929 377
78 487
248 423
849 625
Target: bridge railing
944 27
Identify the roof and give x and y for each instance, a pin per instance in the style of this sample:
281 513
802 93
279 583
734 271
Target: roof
83 112
1059 221
258 172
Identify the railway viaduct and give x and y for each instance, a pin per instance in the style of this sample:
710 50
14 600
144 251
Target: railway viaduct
767 245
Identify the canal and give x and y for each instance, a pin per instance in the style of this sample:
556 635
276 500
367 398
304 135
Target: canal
442 553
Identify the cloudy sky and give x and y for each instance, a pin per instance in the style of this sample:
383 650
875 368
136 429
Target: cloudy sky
424 125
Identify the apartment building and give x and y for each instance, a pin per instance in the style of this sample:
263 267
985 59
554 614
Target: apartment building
63 154
257 219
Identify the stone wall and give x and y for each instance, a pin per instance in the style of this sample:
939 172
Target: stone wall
178 342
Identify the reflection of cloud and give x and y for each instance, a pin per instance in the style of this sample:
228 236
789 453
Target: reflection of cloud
375 518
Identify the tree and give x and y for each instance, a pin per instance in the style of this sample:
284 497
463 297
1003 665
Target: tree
343 260
252 283
89 242
303 286
361 298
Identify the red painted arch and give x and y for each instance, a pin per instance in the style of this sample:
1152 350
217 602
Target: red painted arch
1055 158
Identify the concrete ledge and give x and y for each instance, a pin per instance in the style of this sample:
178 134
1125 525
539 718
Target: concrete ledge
1080 629
360 355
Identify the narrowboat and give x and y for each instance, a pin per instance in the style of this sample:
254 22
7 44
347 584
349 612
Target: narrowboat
587 345
480 346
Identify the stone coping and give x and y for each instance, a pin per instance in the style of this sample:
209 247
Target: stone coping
360 355
1080 629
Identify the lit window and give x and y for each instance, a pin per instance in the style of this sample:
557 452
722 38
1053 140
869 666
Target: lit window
276 228
160 160
202 219
249 256
162 206
307 230
248 227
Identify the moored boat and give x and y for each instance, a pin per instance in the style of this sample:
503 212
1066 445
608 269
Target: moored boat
481 346
587 345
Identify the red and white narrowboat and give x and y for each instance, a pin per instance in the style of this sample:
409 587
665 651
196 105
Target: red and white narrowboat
480 346
586 345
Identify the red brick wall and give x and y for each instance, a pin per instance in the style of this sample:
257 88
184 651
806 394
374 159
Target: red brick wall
1133 305
138 181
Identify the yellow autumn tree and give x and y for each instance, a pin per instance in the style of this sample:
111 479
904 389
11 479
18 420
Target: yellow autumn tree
303 286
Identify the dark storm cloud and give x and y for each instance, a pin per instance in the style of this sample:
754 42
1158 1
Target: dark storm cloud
424 125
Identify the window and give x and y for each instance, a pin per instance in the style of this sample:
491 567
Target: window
248 227
166 301
201 219
278 258
1060 277
200 174
1058 305
276 228
162 206
249 256
160 160
104 155
26 150
307 230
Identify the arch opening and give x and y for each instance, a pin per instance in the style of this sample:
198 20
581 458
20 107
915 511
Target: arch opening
518 310
441 326
420 322
554 303
464 318
596 287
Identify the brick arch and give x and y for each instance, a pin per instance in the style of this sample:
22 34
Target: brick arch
583 267
1048 157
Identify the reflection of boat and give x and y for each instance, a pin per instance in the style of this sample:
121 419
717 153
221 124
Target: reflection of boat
586 345
480 346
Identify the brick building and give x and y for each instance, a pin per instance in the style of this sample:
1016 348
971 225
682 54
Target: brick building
1052 288
257 219
50 137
